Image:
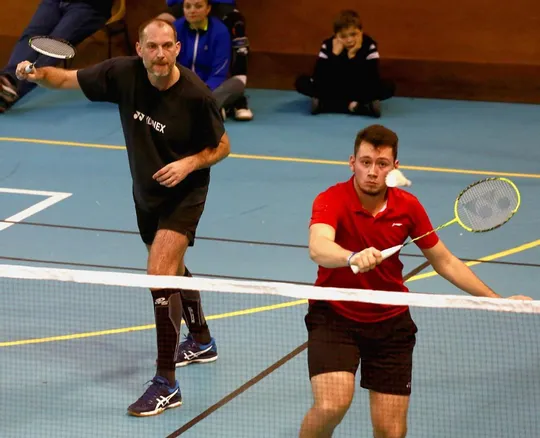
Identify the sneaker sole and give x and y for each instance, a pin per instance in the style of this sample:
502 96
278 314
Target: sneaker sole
156 412
183 364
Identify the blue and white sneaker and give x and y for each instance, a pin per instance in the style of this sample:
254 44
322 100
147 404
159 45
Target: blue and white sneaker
190 351
158 397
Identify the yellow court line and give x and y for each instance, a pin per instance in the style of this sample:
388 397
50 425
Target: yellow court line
146 327
288 159
495 256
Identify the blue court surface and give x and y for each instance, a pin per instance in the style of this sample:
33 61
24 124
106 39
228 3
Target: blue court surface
74 356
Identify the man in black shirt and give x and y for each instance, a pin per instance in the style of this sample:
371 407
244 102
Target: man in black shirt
346 78
174 134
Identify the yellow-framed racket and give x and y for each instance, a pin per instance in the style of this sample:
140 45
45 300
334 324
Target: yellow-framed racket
482 206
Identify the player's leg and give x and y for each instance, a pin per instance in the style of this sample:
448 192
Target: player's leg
388 414
166 253
333 358
387 373
332 397
199 346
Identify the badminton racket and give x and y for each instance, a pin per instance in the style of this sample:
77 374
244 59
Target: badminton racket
482 206
53 47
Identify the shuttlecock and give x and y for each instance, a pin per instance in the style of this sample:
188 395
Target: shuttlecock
395 178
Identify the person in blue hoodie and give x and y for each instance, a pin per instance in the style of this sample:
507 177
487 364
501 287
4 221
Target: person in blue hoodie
228 13
206 49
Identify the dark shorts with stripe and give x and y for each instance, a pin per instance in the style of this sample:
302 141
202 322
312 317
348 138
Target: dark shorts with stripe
384 349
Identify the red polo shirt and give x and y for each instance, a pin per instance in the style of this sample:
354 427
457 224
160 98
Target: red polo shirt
357 229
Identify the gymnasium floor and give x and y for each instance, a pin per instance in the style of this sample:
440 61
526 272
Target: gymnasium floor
73 357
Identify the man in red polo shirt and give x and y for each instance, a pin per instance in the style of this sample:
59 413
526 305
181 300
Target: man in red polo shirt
351 222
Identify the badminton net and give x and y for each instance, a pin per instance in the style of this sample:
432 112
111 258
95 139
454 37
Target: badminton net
76 347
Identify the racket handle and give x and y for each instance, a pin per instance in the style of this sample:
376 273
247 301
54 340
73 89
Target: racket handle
29 68
385 254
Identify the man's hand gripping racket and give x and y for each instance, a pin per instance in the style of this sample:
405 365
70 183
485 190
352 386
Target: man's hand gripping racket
48 46
482 206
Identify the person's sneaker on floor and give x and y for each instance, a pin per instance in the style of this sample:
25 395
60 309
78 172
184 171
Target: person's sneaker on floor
371 109
242 111
8 94
157 398
191 351
315 106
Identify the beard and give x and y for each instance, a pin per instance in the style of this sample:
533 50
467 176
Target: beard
371 190
159 70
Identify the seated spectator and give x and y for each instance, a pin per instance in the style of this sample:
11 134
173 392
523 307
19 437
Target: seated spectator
71 20
206 49
346 77
226 11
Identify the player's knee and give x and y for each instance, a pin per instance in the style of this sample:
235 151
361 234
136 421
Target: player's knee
164 266
390 429
332 411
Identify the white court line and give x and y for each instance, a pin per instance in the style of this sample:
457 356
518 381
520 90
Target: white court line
53 198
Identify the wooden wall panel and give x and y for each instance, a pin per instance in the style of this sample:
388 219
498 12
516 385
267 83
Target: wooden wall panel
472 49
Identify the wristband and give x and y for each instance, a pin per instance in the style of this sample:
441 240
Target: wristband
350 257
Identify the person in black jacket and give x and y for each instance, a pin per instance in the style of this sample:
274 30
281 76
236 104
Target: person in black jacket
346 78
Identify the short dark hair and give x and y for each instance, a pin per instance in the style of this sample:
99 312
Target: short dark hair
346 19
377 135
147 23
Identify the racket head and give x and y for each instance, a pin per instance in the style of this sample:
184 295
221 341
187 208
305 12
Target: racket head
53 47
487 204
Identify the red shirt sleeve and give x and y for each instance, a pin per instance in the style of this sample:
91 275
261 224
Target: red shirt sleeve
422 225
325 210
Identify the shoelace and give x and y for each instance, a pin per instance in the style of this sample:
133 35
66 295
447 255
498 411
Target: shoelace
189 341
152 391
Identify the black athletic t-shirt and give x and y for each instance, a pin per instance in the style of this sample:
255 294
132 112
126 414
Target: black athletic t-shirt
159 126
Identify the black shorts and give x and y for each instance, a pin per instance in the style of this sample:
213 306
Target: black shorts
384 349
180 214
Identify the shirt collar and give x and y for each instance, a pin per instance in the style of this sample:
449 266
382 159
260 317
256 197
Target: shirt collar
356 205
204 28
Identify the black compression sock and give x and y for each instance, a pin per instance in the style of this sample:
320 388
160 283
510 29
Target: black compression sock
193 314
168 314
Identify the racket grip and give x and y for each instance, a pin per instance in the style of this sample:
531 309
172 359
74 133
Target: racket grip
385 254
29 68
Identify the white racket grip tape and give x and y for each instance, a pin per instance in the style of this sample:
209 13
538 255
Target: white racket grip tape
29 68
390 251
385 254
